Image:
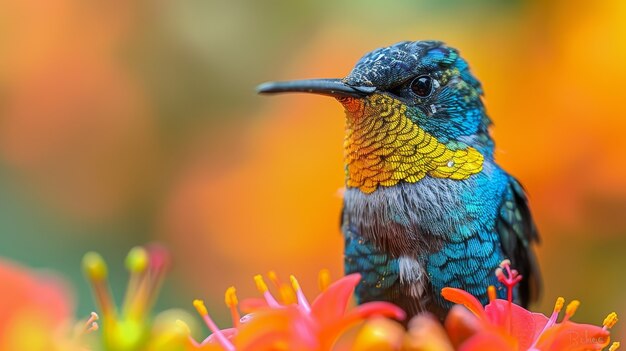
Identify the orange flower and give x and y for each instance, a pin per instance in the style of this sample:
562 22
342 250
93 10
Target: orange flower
293 323
503 325
36 312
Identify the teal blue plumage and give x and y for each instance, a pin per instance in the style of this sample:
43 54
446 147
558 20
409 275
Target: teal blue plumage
479 222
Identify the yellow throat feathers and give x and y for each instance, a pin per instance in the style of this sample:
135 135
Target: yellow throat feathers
382 146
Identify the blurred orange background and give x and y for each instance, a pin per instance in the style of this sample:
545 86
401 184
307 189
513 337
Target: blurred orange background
128 122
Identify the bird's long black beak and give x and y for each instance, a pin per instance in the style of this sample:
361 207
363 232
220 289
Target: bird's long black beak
329 87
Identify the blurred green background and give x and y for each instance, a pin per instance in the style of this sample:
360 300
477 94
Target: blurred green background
128 122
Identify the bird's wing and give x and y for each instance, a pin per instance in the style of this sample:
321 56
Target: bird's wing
517 232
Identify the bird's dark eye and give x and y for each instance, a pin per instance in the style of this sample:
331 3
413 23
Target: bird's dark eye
422 86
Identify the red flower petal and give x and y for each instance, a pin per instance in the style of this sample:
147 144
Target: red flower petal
466 299
32 306
331 304
525 325
330 331
272 328
375 308
571 336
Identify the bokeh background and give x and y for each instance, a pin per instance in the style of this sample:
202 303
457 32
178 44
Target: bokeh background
126 122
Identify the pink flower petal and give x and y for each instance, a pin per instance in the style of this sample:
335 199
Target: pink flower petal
570 336
525 325
330 331
331 304
466 299
270 328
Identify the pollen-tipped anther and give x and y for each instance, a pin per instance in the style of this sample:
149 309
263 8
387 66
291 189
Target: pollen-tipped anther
302 301
610 321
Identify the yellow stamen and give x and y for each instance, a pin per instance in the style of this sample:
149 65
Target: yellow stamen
558 305
97 272
137 260
230 297
294 283
200 307
273 277
614 346
323 279
610 320
571 308
94 266
260 283
287 294
491 292
183 327
137 297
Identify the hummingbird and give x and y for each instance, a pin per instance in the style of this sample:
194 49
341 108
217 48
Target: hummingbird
425 205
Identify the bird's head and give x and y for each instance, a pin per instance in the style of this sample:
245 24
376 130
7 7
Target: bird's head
413 110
